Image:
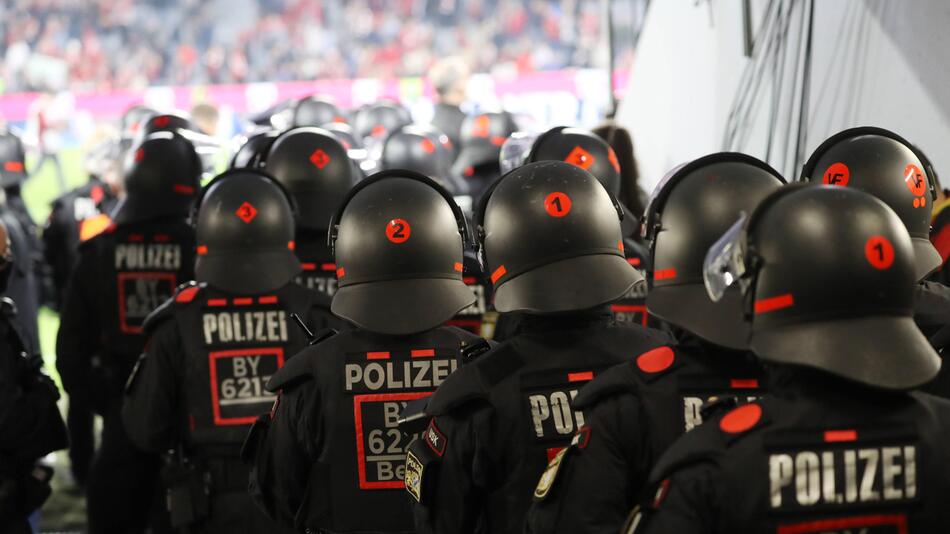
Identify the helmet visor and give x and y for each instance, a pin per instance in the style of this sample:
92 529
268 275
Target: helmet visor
515 150
725 264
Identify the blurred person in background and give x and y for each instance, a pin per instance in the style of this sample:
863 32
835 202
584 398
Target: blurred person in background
206 117
30 424
121 276
449 79
49 122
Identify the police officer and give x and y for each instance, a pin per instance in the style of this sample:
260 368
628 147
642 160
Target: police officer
330 456
449 78
636 410
884 164
840 444
313 166
212 348
27 279
550 238
587 151
30 424
77 216
122 275
480 146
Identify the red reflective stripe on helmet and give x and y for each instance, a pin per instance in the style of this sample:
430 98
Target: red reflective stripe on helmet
582 376
340 272
743 383
202 250
422 353
291 245
664 274
837 436
13 166
774 303
183 189
499 272
217 302
633 261
269 299
380 355
243 301
469 280
328 266
620 245
308 266
458 266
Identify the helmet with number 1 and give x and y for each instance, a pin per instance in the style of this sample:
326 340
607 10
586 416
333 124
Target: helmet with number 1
398 245
244 227
883 164
689 210
827 274
550 240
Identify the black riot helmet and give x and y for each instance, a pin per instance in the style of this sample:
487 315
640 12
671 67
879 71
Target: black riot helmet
421 149
253 149
688 211
245 233
344 133
549 238
883 164
314 167
12 160
377 120
164 122
828 279
398 244
481 138
316 111
133 119
587 151
162 179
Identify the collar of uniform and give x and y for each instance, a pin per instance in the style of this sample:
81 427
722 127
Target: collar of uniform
568 320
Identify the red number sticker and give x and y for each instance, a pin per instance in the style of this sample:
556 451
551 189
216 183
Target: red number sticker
837 174
879 252
915 180
557 204
398 231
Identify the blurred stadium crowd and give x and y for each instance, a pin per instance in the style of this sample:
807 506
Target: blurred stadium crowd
67 45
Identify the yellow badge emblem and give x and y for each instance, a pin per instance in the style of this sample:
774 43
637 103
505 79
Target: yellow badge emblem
549 475
414 470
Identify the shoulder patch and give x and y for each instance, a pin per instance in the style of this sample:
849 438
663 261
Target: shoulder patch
657 360
741 419
187 293
94 226
415 470
435 439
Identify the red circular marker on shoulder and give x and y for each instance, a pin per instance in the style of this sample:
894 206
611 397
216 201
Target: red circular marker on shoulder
656 360
398 231
557 204
837 174
879 252
741 419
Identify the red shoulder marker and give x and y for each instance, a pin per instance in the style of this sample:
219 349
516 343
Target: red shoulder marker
741 419
656 360
187 295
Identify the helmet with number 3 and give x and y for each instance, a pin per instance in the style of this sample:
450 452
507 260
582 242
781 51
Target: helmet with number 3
827 274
